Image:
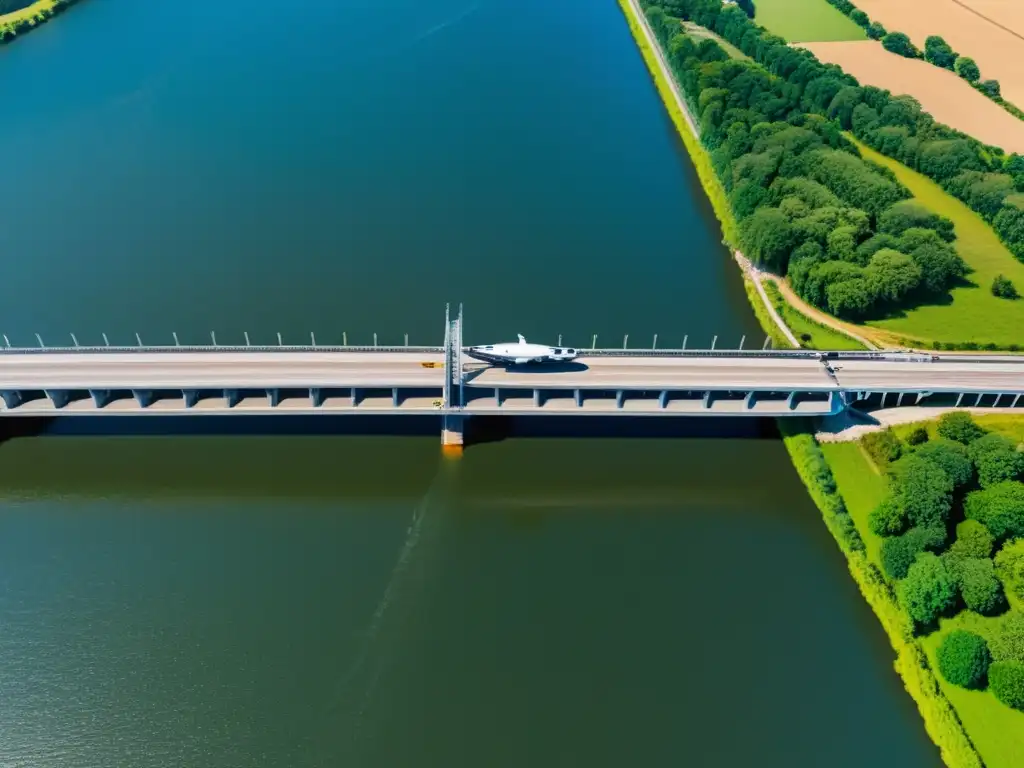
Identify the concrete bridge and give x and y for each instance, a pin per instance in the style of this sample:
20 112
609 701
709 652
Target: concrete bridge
410 380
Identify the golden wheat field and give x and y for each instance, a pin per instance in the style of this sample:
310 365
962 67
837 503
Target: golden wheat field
998 51
940 92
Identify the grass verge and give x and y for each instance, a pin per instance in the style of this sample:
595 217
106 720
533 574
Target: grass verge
812 334
18 22
974 314
912 663
806 21
1010 425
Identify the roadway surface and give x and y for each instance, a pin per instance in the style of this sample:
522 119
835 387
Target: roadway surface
264 370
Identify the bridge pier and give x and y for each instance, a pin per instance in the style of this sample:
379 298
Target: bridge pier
191 397
143 397
315 397
12 399
452 433
58 397
100 397
274 397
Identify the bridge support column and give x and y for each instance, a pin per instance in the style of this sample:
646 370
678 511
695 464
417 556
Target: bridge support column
663 399
978 401
354 397
452 433
620 398
707 400
882 404
1014 403
958 399
791 401
538 401
497 397
231 397
395 399
749 400
274 397
836 403
578 394
58 397
143 397
315 397
12 399
100 397
191 397
899 399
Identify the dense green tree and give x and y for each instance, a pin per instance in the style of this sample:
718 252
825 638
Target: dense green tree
1009 563
860 18
999 508
768 238
823 274
909 214
887 519
852 180
876 31
1003 288
892 276
972 540
1006 679
996 458
928 591
1007 642
940 264
898 553
959 427
952 457
938 52
964 659
991 88
980 589
922 489
945 159
984 192
899 43
850 299
967 69
841 243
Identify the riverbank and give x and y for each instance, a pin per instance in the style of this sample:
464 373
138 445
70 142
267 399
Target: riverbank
18 23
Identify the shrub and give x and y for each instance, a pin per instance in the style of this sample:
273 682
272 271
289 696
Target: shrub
959 427
991 88
964 659
972 540
918 435
1010 567
979 587
967 69
999 508
953 459
921 489
1006 678
899 552
1007 642
996 458
928 591
1003 288
883 447
887 519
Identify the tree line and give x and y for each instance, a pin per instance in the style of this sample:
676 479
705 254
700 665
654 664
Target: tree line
936 51
952 528
736 99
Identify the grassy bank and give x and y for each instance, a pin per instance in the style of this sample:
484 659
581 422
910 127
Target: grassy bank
996 731
19 22
698 155
912 663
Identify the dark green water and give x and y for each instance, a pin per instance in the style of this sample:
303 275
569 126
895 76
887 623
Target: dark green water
354 601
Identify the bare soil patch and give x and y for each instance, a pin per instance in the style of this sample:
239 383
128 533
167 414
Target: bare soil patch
970 26
940 92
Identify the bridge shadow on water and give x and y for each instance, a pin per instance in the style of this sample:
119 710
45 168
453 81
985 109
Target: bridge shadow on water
479 429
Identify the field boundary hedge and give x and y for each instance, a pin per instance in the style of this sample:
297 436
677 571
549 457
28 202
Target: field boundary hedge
941 721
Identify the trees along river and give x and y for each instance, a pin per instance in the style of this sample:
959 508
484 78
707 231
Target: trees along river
314 599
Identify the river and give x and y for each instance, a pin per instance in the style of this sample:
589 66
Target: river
319 599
